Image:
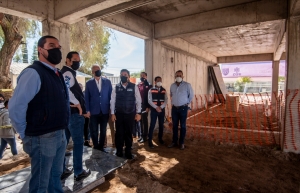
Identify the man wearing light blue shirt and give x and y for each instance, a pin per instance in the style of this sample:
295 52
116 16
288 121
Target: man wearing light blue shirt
39 110
182 95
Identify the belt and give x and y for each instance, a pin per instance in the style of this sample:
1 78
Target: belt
180 106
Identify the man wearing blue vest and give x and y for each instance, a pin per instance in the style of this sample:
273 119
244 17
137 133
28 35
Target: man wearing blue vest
97 97
39 110
76 127
125 106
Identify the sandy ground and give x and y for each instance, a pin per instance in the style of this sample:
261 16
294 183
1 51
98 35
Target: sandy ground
202 167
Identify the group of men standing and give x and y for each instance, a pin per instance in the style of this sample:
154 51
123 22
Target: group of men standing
48 107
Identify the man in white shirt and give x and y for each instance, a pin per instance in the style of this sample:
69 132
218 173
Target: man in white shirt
125 106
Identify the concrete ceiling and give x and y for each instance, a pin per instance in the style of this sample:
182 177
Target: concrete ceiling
239 40
162 10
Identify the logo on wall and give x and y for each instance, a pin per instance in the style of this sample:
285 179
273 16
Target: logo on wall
225 71
237 72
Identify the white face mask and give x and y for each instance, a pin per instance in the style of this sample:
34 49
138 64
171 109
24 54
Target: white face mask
178 79
159 84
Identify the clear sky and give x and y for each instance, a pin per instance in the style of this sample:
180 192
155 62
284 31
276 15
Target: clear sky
126 51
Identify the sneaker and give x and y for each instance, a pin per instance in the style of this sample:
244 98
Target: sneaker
87 144
66 173
140 139
172 145
83 175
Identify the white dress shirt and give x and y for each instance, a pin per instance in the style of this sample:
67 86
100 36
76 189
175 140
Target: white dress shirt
98 83
138 99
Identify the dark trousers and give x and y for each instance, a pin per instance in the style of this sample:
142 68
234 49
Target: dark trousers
136 130
154 115
86 129
124 124
95 120
179 114
144 125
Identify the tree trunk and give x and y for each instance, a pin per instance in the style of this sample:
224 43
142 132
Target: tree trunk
11 43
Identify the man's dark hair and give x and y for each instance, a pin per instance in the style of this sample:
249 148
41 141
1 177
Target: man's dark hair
144 73
70 54
43 40
125 70
6 103
157 78
178 71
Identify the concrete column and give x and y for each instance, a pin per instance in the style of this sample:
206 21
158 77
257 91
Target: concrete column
152 57
275 74
62 32
291 132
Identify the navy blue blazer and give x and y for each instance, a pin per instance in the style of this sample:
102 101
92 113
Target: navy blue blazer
98 102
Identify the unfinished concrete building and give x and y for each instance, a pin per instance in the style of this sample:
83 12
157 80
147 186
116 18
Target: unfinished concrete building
190 35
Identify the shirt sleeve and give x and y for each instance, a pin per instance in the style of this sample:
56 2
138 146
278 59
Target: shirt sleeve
138 100
150 100
166 101
69 80
29 84
190 93
113 101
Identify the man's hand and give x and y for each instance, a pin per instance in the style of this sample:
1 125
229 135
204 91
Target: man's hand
113 118
78 107
87 115
147 110
158 109
137 117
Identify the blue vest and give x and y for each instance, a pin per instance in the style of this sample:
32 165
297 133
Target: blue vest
125 98
49 110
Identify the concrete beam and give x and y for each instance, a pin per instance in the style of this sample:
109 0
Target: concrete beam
294 7
189 49
249 13
118 9
129 23
280 49
67 11
25 8
246 58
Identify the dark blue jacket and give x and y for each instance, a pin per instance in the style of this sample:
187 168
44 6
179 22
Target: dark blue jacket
96 102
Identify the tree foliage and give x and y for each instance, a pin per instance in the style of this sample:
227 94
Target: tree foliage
241 82
91 40
136 74
34 55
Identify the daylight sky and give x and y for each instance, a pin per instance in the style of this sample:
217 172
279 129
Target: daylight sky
126 51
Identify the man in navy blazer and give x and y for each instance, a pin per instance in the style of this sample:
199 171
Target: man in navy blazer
97 98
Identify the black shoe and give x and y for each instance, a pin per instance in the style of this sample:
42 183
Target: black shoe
182 147
83 175
66 173
87 144
129 156
172 145
151 146
119 154
68 153
161 142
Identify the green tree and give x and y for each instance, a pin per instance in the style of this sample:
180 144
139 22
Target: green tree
281 79
12 31
91 40
35 53
241 82
136 74
25 53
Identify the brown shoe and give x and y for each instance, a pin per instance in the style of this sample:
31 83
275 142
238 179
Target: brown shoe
182 146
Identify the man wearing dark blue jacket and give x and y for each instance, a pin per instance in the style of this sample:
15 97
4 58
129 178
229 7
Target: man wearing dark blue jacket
97 98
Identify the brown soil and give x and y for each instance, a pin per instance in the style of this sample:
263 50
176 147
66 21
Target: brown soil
206 167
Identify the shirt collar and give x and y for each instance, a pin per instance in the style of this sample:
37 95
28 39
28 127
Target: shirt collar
47 65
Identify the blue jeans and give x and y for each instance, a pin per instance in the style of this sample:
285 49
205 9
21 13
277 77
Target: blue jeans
75 130
136 130
11 142
154 115
179 114
47 155
95 120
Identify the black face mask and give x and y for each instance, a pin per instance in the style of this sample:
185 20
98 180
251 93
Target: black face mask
54 56
142 79
124 79
75 65
98 73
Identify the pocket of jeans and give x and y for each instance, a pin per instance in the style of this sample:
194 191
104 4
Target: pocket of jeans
48 135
